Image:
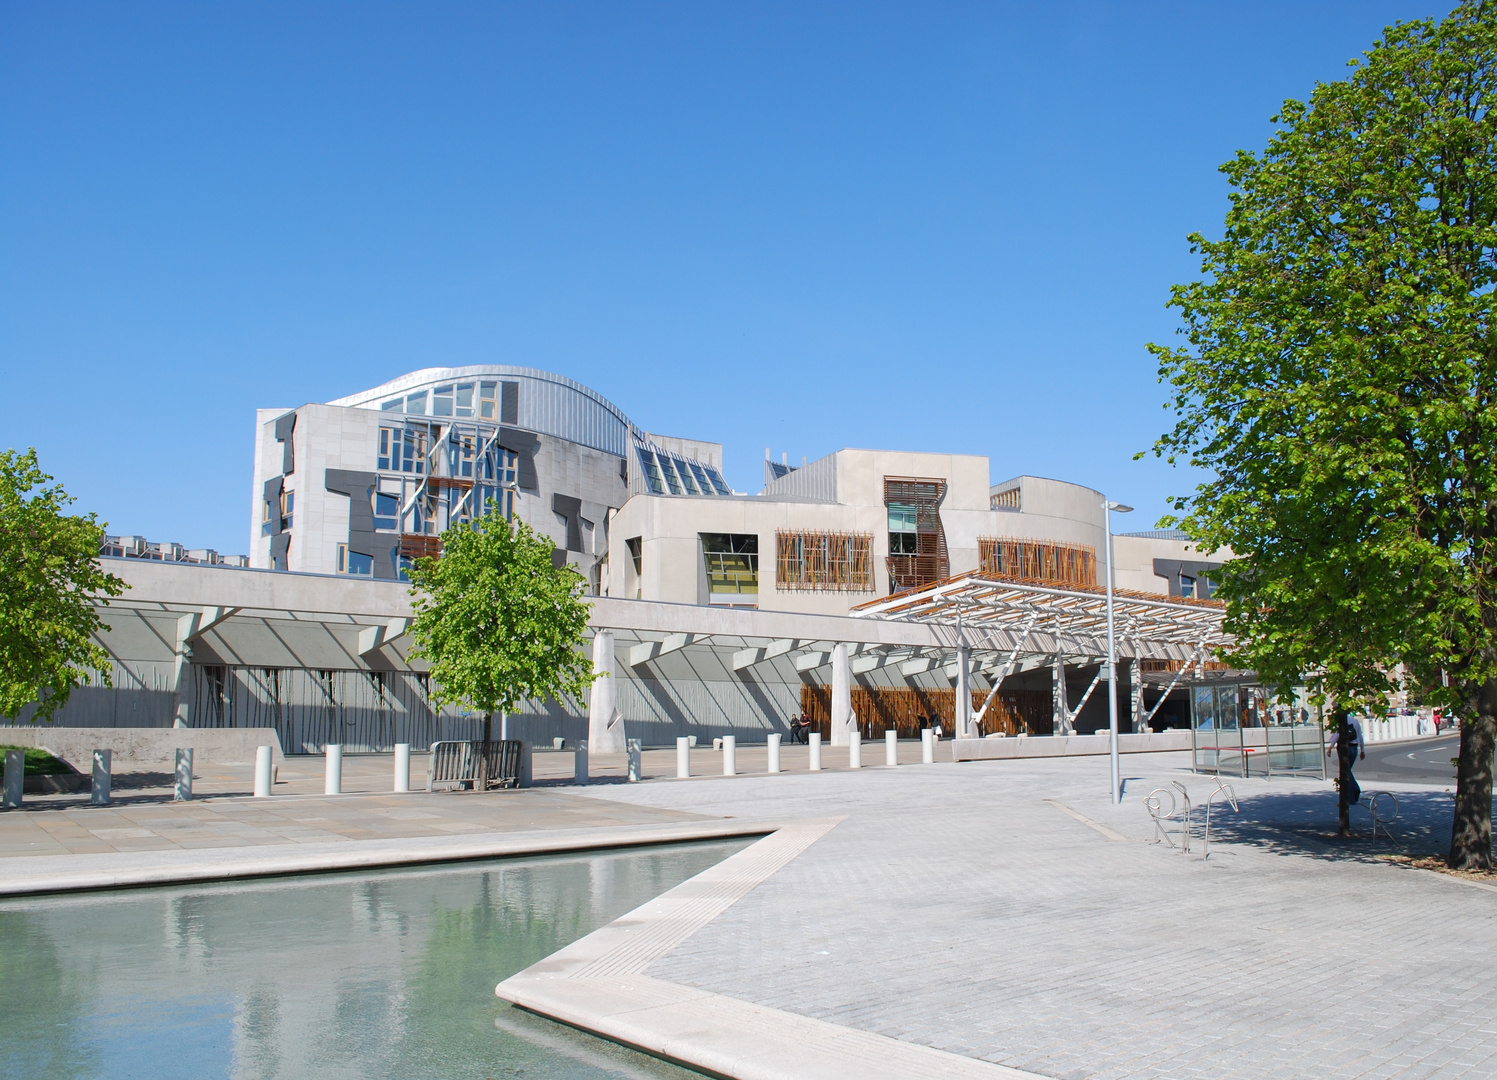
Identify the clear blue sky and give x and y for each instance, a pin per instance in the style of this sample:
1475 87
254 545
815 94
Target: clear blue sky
805 226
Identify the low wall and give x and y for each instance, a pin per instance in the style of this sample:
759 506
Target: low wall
1037 746
146 746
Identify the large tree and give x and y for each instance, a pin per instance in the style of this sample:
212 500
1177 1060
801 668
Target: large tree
497 621
50 581
1340 388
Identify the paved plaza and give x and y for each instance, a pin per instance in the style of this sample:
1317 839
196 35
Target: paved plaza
1004 910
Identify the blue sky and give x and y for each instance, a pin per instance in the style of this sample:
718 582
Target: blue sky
804 226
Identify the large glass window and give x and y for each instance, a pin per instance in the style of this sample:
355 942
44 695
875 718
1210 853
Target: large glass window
685 474
394 405
416 403
465 399
651 472
486 400
386 511
903 536
441 401
732 564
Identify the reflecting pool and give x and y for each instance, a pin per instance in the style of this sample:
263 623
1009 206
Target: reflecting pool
382 974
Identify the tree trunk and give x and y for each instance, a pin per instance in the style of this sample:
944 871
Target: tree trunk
1471 831
488 734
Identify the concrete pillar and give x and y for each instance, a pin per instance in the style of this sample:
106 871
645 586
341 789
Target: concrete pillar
683 757
636 759
99 793
579 764
605 726
333 777
774 752
15 778
262 772
815 749
842 721
961 723
1062 721
402 766
854 749
891 747
183 791
927 746
730 755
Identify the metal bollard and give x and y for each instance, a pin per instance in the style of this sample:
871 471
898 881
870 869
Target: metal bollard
333 783
927 746
15 778
402 766
815 751
579 764
636 759
891 747
774 752
262 772
183 790
730 755
98 793
854 749
683 758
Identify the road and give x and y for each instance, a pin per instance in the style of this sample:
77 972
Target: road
1424 761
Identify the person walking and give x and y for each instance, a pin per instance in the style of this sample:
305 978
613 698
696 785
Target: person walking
1349 744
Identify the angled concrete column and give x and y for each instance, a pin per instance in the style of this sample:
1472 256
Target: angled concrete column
1136 681
1058 688
841 696
605 726
961 723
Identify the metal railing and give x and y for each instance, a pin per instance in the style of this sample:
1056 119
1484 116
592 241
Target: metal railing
474 766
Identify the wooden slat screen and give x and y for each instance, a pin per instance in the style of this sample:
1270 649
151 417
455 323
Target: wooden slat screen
879 708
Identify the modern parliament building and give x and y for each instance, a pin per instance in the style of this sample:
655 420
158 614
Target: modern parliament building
364 484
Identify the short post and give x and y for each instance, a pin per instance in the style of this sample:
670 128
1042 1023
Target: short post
636 750
815 745
527 761
891 747
333 783
402 766
683 757
854 749
183 790
262 772
774 752
579 764
927 746
15 777
98 793
730 755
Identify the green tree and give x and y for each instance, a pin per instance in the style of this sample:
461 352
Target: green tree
1340 387
496 621
50 580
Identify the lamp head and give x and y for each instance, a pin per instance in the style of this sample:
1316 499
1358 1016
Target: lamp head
1118 508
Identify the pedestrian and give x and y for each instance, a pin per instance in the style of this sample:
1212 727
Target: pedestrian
1349 744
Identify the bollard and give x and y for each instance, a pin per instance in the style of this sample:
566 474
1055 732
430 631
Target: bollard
774 752
579 764
333 785
527 775
815 751
730 755
402 766
183 790
636 756
927 746
891 747
854 749
98 793
15 778
683 757
262 772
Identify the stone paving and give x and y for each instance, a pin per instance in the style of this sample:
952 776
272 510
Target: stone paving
958 908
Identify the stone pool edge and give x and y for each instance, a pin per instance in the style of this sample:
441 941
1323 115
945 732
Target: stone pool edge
598 984
33 875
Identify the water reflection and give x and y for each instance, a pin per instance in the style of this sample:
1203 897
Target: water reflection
387 974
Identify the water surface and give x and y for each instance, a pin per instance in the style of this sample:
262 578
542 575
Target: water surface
381 974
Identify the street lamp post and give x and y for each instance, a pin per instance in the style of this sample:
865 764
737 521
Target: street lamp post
1112 657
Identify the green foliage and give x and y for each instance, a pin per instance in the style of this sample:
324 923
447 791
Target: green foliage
1340 383
39 762
496 621
50 578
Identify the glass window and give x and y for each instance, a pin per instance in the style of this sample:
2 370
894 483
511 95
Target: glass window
902 530
1205 708
685 474
465 399
669 474
359 563
486 400
416 403
441 401
394 405
732 561
717 480
384 448
696 470
651 472
386 511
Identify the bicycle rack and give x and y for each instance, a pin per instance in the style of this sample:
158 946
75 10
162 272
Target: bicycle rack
1378 819
1222 788
1155 806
